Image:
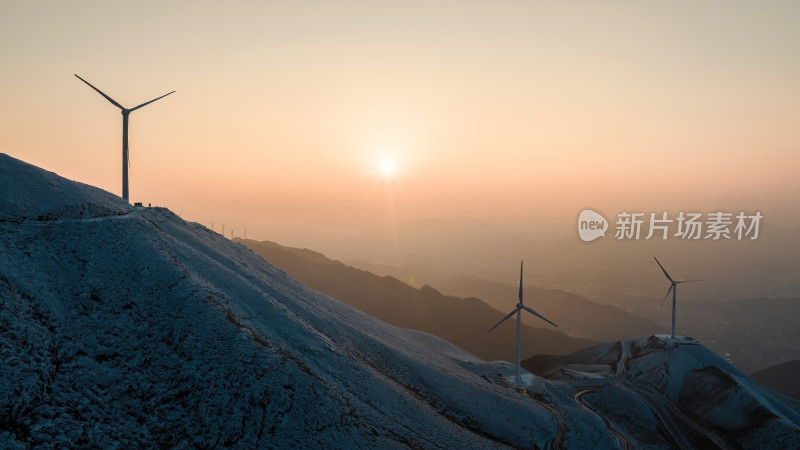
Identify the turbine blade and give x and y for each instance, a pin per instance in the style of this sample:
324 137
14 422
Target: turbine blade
520 281
665 297
100 92
504 319
151 101
538 315
662 268
688 281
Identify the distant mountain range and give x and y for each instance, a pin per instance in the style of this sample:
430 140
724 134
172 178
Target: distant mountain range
602 270
576 315
413 275
751 333
783 378
462 321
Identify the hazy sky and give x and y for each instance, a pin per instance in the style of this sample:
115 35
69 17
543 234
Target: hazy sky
284 110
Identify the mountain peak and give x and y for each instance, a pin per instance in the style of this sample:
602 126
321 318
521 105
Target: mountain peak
30 193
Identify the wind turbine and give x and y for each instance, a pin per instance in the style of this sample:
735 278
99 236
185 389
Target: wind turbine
125 113
518 311
674 289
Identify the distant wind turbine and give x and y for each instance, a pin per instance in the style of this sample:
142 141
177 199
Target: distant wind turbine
674 289
125 113
518 311
245 233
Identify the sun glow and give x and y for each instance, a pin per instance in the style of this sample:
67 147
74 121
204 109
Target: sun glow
387 167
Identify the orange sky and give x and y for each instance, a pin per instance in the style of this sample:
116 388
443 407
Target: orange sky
284 110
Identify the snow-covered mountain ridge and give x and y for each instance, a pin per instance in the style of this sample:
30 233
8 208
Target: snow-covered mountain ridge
124 327
30 193
143 330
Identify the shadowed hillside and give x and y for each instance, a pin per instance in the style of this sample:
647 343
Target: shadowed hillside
783 378
461 321
578 315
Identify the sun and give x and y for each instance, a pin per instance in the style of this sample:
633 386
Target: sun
387 167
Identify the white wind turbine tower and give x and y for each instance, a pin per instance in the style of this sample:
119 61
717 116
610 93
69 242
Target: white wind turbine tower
674 289
125 113
518 311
